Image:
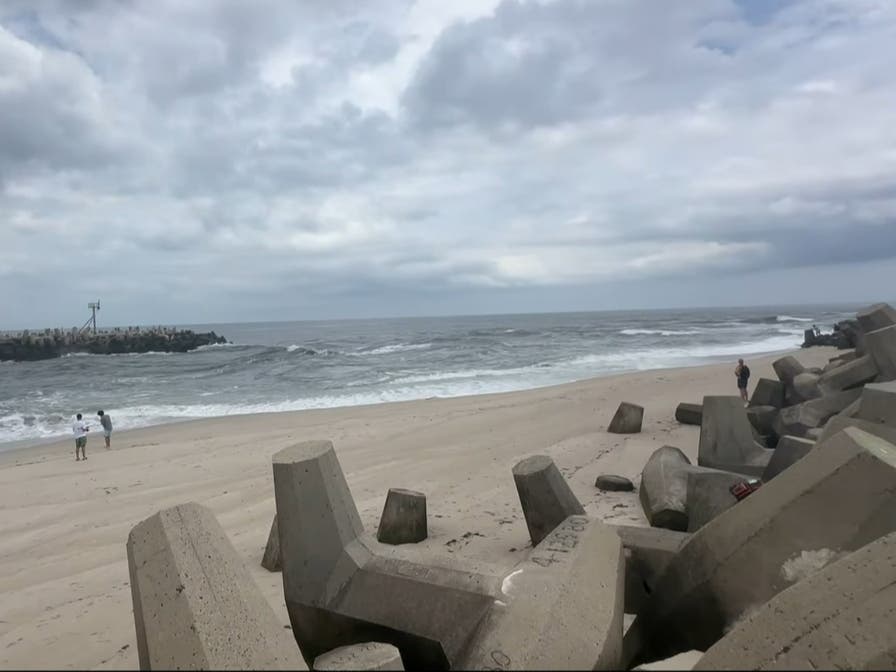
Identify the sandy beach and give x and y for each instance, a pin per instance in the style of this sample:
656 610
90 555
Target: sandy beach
63 569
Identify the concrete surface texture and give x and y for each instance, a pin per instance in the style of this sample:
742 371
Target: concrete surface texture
561 609
841 618
195 603
737 561
790 450
271 558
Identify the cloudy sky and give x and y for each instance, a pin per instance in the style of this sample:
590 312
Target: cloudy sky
226 160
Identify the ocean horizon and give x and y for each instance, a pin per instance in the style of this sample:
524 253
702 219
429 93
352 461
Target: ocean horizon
289 366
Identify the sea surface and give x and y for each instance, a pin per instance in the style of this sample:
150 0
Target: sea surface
286 366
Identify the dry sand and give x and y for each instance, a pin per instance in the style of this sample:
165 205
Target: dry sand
66 602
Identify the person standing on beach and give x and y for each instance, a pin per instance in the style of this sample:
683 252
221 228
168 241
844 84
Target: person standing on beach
742 372
80 429
106 422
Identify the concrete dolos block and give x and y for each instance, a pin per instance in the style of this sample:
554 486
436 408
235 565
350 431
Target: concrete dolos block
854 374
881 346
689 414
841 618
342 588
627 420
726 438
544 496
790 450
195 604
271 558
768 392
404 518
559 610
744 557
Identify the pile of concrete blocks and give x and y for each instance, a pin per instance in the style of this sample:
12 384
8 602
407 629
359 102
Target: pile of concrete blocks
796 569
730 578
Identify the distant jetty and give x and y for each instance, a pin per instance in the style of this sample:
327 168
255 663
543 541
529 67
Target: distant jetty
27 346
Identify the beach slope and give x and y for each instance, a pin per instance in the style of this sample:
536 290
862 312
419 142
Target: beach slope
63 568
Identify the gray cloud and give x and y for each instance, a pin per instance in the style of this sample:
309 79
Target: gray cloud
289 159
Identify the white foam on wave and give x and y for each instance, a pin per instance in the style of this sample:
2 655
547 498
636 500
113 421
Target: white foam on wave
660 332
658 358
396 347
215 346
790 318
410 385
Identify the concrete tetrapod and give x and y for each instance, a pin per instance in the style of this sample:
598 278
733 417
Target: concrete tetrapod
881 346
790 450
709 495
195 603
877 316
726 438
343 588
762 418
647 552
740 560
271 558
404 518
627 419
689 414
787 368
544 496
664 488
799 419
841 618
768 392
878 403
560 609
849 376
840 422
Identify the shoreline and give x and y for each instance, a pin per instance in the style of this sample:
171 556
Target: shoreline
27 444
63 565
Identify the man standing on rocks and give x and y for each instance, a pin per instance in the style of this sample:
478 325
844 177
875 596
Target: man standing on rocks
106 422
742 371
80 429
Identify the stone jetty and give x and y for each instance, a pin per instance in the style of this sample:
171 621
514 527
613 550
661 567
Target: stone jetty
28 345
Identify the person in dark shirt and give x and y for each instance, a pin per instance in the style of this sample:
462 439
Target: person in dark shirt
742 371
106 422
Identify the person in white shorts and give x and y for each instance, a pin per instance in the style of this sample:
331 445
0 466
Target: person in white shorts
79 429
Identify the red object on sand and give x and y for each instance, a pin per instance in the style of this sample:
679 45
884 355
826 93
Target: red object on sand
745 488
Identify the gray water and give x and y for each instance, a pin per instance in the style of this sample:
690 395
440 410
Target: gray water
283 366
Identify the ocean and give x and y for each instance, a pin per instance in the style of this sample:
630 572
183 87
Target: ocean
287 366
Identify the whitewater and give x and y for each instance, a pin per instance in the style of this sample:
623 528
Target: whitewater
287 366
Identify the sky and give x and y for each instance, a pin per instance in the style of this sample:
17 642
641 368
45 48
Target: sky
190 162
